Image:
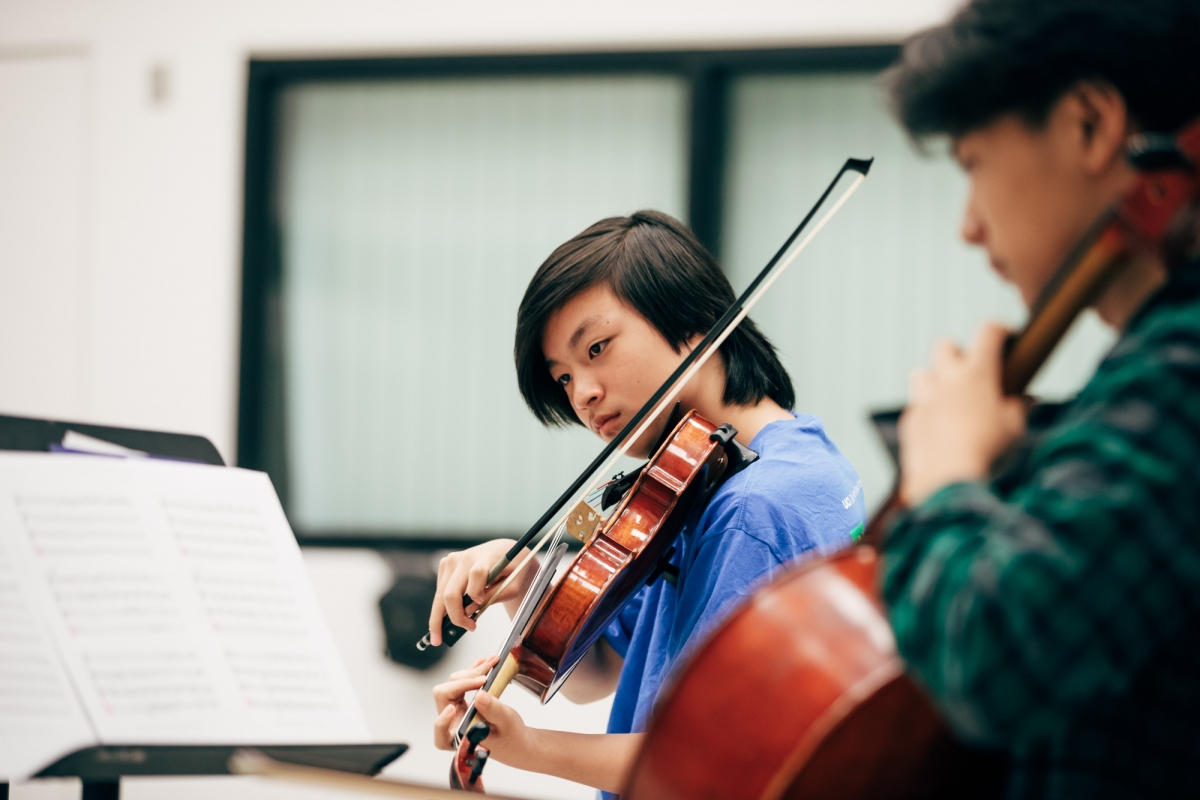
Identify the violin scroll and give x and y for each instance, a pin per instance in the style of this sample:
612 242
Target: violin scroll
471 757
470 760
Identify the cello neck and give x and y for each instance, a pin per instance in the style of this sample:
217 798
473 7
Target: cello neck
1168 183
1139 222
1082 284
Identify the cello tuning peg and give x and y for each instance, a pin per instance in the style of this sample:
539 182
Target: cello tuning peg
1148 152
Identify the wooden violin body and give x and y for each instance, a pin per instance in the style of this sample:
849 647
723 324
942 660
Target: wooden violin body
625 554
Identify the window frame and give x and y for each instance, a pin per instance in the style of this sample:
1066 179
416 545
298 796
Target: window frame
261 407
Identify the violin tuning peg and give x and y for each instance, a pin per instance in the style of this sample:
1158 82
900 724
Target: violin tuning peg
481 757
477 733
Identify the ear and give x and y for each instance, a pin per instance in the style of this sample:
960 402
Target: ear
1099 123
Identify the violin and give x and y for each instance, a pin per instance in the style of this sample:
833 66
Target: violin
822 706
558 622
629 551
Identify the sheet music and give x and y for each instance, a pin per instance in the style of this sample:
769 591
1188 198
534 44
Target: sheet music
177 596
39 712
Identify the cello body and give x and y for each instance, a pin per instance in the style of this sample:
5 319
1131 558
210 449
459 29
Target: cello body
832 713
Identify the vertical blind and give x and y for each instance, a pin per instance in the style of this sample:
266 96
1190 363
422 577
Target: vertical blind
864 304
413 214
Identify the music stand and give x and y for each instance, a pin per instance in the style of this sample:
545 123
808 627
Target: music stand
101 767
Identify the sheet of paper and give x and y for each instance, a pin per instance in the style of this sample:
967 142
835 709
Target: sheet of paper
39 712
76 442
178 598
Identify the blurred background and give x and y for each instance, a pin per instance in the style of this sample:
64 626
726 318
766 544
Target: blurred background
302 229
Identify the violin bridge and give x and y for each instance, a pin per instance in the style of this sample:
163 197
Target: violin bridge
583 521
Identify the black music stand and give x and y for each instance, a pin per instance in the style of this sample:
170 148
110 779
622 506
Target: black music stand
101 767
42 435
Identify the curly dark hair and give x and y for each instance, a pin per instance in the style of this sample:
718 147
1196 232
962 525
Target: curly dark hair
997 57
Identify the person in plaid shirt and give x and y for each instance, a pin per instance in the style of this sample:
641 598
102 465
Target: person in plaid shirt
1053 611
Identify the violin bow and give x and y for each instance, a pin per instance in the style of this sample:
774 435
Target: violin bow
664 395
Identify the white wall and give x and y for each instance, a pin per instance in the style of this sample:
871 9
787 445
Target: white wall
161 211
128 311
43 186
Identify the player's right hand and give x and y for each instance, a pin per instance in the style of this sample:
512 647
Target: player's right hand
465 573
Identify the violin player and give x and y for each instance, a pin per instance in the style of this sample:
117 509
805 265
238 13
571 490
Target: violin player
1053 611
604 321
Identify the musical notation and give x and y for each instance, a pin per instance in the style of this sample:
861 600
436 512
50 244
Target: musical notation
257 616
174 597
38 708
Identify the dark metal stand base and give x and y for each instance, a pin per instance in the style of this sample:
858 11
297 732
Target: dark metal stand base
106 790
101 790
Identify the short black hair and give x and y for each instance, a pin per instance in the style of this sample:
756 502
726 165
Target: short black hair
999 57
653 263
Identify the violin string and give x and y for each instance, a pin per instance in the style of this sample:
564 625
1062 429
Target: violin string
669 397
504 649
595 495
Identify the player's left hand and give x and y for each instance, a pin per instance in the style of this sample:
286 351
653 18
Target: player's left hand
509 738
509 741
958 420
451 699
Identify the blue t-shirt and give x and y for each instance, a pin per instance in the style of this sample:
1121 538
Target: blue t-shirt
801 498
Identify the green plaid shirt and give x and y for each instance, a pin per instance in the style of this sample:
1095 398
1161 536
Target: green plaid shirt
1055 612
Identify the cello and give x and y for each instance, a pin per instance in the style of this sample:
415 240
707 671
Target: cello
844 719
558 622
